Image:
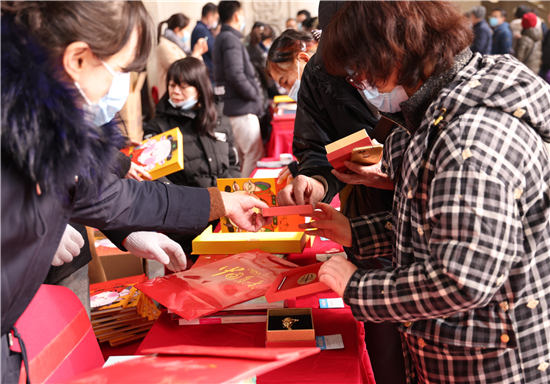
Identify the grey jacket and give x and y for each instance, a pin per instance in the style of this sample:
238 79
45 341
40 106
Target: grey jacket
234 72
529 48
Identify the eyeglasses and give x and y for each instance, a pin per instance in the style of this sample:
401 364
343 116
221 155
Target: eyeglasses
361 85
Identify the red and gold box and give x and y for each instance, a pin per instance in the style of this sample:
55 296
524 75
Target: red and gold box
296 282
300 334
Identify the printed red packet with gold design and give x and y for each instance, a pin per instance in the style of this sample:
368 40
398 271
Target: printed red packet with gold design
204 290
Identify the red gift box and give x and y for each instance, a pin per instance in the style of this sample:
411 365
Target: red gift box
297 282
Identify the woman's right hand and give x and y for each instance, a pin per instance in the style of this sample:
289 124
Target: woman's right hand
200 48
329 223
242 210
138 173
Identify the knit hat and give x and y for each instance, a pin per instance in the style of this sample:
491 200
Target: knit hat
529 20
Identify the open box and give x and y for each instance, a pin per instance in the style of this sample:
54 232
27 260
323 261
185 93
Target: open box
208 243
301 334
296 282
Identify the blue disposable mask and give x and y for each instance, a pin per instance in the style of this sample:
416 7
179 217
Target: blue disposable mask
243 25
299 26
186 37
185 104
386 102
106 108
493 22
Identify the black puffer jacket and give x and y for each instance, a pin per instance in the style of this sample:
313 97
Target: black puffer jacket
206 158
329 108
234 72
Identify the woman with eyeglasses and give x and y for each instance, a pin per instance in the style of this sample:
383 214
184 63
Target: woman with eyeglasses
469 231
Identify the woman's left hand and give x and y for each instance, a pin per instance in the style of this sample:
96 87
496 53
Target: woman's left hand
336 273
329 223
285 176
368 175
138 173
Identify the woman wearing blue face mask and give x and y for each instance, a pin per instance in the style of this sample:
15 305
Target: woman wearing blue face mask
208 145
287 58
173 45
58 60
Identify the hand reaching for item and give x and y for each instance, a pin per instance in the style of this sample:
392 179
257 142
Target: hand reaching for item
156 246
336 273
302 190
329 223
200 48
138 173
69 246
240 209
368 175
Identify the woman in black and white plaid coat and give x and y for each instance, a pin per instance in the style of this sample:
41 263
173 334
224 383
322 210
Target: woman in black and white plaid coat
469 231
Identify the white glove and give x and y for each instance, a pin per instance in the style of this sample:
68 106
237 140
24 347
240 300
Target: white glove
69 246
156 246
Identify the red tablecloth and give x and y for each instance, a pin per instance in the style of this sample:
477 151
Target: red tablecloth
281 136
348 365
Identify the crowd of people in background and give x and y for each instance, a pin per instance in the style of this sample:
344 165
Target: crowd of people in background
447 237
526 37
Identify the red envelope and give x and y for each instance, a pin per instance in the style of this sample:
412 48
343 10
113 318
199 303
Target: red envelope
218 285
297 282
195 364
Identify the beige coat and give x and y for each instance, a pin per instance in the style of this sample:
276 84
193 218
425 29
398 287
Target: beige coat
167 53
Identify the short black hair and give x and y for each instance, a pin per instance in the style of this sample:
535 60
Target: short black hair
522 10
209 8
227 9
502 12
304 12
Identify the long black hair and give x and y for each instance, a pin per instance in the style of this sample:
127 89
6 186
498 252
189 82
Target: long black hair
192 71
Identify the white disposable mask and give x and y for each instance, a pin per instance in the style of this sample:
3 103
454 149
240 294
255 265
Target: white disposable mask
106 108
387 102
185 104
293 93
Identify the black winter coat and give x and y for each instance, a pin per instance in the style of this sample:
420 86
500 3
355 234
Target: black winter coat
46 142
329 108
234 72
206 158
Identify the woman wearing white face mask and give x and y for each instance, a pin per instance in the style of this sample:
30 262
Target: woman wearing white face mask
208 144
57 163
287 58
173 46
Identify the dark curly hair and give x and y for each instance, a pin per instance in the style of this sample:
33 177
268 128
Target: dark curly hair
373 38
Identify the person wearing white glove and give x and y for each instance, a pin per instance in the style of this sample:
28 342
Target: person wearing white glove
156 246
69 246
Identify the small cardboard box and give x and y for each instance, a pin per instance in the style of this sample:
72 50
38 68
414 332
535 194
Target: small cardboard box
296 282
131 113
116 263
208 243
301 334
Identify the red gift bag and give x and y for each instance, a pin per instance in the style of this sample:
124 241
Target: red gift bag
204 290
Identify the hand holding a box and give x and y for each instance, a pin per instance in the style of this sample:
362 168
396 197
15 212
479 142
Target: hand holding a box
300 191
157 246
368 175
240 209
331 224
336 273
